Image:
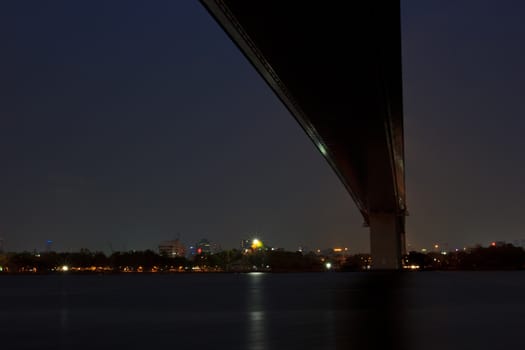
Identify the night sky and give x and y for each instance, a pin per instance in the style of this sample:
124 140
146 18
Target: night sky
125 123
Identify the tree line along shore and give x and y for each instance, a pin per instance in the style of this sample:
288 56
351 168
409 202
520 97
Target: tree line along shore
505 257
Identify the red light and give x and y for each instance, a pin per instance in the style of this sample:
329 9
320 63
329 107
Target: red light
199 250
493 244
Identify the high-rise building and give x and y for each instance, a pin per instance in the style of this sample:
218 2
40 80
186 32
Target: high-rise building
192 251
204 246
246 244
172 248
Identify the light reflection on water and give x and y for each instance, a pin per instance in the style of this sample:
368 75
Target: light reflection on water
263 311
257 335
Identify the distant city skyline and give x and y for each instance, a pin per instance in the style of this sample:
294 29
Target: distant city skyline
125 126
189 246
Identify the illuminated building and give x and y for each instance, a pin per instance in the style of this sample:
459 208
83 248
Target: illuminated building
204 246
49 246
256 244
172 248
246 244
192 251
249 245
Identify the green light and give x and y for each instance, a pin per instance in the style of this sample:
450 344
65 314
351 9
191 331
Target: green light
322 149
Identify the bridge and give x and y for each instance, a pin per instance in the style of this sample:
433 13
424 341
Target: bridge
336 66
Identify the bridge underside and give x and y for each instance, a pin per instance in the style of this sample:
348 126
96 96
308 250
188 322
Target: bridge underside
337 68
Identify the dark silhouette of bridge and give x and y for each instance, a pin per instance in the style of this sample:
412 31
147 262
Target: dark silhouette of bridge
337 68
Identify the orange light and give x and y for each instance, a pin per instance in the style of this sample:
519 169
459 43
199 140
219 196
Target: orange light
337 250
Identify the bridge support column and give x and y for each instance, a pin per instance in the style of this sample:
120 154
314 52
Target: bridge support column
386 241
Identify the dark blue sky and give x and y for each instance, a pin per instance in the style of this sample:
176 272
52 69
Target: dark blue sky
131 122
464 119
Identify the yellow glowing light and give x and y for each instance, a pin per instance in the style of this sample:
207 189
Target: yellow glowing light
256 244
412 267
436 246
328 265
65 268
337 250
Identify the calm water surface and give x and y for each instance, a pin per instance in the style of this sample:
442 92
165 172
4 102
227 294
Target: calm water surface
417 310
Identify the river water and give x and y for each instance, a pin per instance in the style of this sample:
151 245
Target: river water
414 310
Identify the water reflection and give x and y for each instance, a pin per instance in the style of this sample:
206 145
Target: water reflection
64 312
264 311
257 327
373 312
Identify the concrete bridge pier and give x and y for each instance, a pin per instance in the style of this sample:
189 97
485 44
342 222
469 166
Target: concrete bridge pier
387 241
